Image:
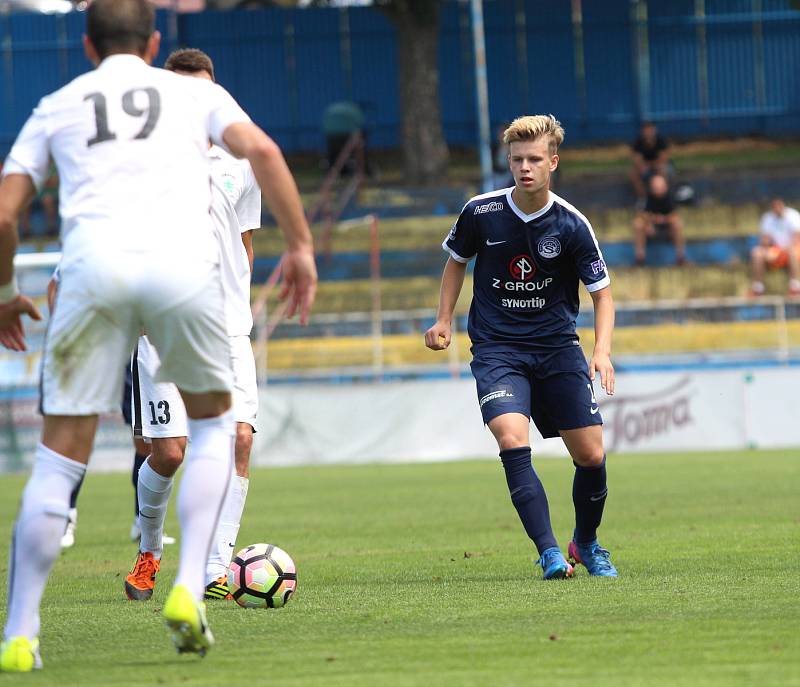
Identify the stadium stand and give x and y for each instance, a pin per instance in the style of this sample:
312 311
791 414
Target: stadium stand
653 316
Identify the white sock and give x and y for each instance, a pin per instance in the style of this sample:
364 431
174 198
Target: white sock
225 539
758 287
36 540
153 491
207 470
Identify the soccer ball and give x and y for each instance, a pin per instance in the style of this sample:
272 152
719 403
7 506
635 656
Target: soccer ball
262 576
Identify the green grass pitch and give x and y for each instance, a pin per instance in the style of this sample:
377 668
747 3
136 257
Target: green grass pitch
422 575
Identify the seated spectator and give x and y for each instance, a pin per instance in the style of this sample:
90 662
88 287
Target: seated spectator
340 121
659 217
778 247
650 153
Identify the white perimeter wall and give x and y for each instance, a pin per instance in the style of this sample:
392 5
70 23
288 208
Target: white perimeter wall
439 419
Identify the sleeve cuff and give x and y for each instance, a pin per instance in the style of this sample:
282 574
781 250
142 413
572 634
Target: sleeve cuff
596 286
11 166
453 254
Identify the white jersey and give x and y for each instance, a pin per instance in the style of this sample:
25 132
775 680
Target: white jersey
781 229
235 208
130 142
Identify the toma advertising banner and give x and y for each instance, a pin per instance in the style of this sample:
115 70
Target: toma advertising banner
439 420
433 420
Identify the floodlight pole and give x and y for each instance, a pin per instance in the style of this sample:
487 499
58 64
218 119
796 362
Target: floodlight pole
482 94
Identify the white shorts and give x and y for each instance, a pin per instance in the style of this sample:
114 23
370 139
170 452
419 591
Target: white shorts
104 300
158 410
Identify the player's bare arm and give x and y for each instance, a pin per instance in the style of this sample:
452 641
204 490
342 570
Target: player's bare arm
603 330
16 191
438 337
278 187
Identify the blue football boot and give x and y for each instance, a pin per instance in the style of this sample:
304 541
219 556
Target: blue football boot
554 565
593 556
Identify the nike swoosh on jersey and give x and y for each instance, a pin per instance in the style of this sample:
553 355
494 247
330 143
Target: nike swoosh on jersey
594 410
493 243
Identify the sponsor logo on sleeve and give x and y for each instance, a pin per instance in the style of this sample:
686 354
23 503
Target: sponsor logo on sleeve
452 233
549 247
598 266
494 206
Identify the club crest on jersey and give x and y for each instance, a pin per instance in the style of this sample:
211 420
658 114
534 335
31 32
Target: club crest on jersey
522 267
549 247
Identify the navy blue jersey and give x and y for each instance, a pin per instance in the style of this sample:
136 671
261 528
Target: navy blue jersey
527 268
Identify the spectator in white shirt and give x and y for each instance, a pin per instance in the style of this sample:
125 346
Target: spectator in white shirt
778 246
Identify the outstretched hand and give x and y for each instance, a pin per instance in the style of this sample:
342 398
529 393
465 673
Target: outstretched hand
299 282
12 333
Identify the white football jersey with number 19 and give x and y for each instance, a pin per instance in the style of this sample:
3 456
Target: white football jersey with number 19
147 191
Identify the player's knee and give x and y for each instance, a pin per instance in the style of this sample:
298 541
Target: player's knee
167 458
590 458
507 440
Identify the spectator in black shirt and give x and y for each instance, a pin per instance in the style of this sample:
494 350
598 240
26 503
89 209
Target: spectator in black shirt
650 153
659 216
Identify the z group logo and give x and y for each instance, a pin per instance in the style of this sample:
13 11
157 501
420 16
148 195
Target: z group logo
522 267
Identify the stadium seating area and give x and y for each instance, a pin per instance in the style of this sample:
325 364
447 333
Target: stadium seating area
652 317
341 334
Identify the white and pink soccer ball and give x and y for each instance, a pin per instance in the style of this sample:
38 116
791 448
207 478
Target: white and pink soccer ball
262 576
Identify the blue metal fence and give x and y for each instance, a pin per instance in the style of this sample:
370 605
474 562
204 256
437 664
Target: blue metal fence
698 67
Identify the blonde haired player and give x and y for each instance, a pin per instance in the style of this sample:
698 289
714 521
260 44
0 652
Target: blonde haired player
531 249
158 413
138 251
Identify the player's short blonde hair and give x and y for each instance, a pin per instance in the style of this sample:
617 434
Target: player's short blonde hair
531 127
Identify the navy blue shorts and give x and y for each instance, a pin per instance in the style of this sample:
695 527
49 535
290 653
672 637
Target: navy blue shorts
552 387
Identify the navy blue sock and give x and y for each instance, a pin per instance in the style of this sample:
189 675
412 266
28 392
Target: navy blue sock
528 497
138 461
589 492
73 497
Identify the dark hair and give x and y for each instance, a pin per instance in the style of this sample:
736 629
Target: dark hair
120 26
190 60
